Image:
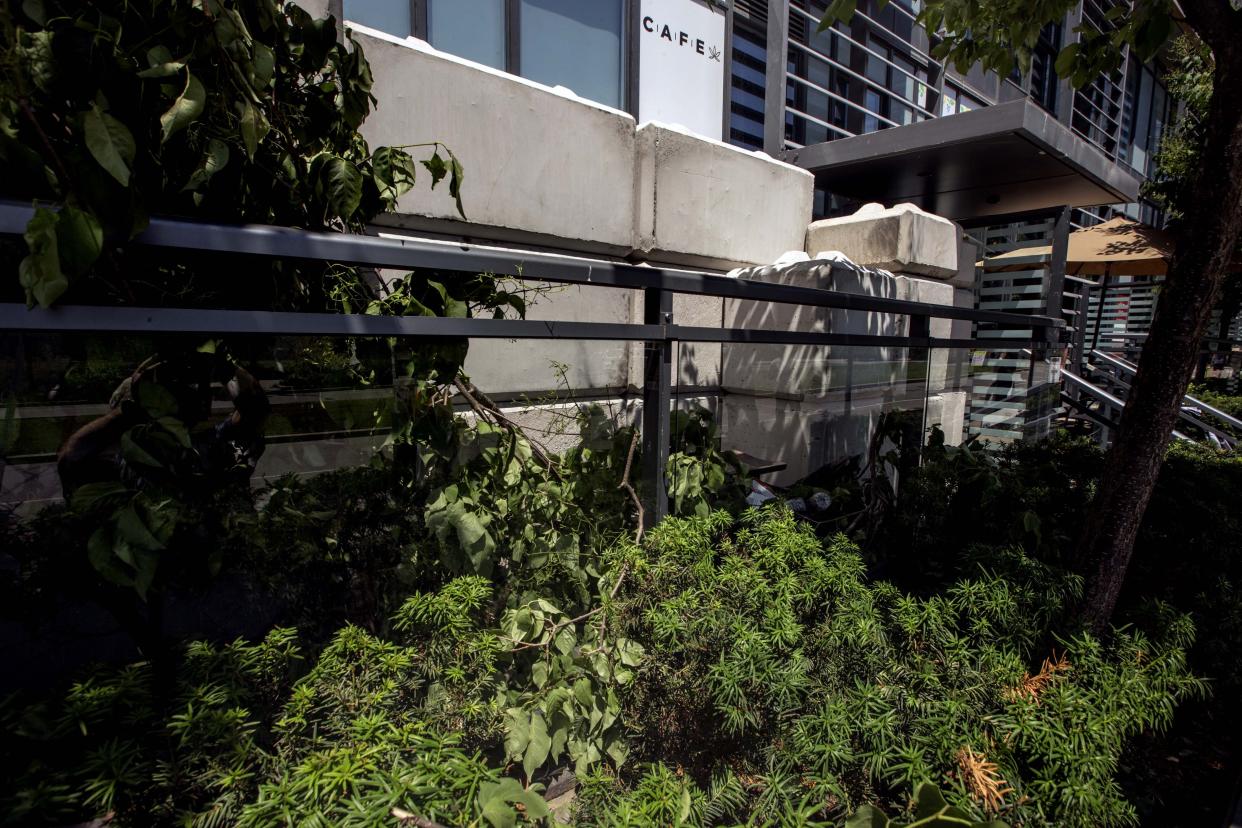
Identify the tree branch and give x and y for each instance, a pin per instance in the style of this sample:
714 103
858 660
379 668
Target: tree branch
491 412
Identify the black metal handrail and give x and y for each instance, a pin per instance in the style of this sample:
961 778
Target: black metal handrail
658 329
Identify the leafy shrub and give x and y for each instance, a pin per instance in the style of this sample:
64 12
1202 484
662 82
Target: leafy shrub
771 657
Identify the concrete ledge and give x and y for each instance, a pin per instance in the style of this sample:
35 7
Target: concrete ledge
902 238
543 166
707 202
536 160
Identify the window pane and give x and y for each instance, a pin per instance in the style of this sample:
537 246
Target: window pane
392 16
574 44
473 29
948 101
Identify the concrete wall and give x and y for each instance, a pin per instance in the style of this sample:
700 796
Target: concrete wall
543 166
807 406
710 202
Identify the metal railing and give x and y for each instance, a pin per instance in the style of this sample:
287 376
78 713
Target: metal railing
658 329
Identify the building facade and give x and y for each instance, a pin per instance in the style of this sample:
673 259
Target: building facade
759 74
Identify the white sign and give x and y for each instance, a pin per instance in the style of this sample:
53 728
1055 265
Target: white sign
681 65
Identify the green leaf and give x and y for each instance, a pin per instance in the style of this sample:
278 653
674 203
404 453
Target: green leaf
102 556
160 63
539 673
456 178
131 527
539 747
496 802
618 750
842 10
928 800
35 11
517 732
187 107
342 184
1065 59
437 167
135 453
109 142
91 495
39 272
264 65
566 640
214 159
583 694
1152 34
867 817
473 537
393 171
631 652
254 127
79 240
155 399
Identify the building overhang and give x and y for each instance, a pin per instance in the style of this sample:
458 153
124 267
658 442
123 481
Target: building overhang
1008 158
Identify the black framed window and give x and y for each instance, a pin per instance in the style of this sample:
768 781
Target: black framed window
572 43
473 29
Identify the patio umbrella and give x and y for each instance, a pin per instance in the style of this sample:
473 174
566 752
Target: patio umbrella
1117 246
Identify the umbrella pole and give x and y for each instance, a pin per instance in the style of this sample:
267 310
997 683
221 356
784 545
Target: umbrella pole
1099 308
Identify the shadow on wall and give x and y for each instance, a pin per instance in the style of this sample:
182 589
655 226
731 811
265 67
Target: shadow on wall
810 405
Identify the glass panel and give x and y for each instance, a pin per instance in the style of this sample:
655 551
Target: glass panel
1138 157
473 29
948 395
392 16
256 409
574 44
948 101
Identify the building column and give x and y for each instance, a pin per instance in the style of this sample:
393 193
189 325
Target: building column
774 94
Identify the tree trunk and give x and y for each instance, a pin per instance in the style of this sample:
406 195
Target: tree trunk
1205 241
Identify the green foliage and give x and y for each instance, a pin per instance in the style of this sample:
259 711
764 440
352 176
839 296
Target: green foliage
931 811
1190 82
699 473
222 110
1002 34
1230 404
771 656
722 670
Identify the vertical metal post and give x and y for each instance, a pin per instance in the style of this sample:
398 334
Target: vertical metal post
1056 265
1099 307
726 118
920 329
657 400
774 92
633 45
1065 90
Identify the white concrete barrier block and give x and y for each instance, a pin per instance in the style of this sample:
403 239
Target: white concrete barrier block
536 160
708 202
901 239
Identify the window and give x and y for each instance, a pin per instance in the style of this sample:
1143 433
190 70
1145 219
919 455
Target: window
391 16
573 44
746 100
473 29
955 100
1150 104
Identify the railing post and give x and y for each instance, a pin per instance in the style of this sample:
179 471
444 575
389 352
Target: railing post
920 329
657 380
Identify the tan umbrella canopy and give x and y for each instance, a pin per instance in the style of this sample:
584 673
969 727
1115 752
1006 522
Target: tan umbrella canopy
1118 246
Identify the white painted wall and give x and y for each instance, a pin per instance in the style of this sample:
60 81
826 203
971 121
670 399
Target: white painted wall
546 167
